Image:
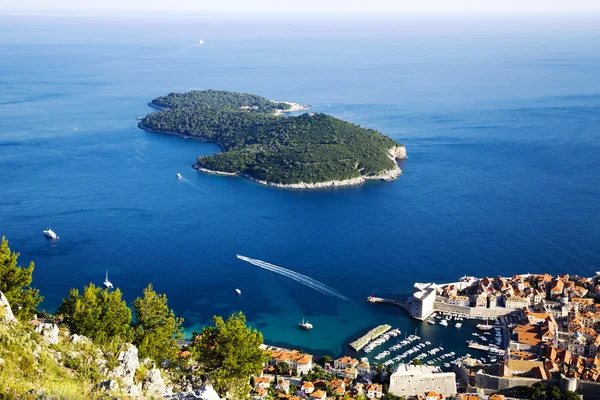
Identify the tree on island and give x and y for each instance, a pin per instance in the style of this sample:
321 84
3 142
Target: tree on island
101 315
229 352
156 329
15 281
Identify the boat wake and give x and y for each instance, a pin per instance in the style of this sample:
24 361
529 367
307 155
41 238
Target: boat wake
303 279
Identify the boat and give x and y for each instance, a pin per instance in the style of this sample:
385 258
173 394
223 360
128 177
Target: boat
430 321
305 325
107 283
444 322
179 176
484 327
238 291
50 233
458 325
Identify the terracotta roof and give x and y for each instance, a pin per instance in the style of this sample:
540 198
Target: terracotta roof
318 394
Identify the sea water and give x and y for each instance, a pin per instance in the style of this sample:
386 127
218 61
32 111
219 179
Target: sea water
501 132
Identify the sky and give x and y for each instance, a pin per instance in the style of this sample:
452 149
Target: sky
460 7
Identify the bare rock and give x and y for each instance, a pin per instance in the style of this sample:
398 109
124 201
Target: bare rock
75 338
154 385
6 314
49 332
109 385
128 364
205 393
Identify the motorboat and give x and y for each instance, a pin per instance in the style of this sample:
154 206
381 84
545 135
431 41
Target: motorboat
107 283
431 321
305 325
444 322
458 325
179 176
238 291
50 233
484 327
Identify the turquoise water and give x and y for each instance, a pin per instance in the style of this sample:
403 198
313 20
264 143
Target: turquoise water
502 176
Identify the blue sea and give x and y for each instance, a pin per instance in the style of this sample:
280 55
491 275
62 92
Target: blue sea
501 126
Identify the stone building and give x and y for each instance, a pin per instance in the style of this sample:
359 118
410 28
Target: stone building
413 380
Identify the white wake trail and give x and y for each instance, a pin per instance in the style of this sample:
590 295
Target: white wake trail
303 279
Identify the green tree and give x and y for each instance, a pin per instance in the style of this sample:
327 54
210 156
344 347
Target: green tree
416 361
283 368
101 315
15 281
326 360
156 329
230 353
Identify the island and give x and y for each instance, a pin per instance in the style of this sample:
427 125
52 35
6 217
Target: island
260 143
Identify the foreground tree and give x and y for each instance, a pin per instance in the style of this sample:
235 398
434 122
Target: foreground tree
156 329
15 281
230 353
101 315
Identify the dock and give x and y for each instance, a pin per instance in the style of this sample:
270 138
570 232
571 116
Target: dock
478 346
369 336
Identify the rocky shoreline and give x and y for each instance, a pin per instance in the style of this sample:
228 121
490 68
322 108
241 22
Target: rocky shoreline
395 153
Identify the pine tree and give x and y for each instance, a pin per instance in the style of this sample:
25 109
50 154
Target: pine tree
157 330
15 281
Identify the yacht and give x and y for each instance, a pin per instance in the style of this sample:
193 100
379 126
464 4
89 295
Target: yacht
484 327
305 325
107 283
50 233
179 176
444 322
458 325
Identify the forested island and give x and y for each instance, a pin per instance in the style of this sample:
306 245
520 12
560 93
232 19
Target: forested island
308 151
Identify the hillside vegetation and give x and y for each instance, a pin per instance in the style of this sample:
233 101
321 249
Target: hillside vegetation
279 149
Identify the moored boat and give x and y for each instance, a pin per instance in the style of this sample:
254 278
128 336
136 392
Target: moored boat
305 325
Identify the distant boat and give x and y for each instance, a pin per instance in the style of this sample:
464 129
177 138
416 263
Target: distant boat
107 283
444 322
305 325
238 291
458 324
140 118
201 41
431 321
484 327
179 176
50 233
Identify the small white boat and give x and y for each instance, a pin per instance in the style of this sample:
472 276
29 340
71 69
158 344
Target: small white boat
458 325
444 322
50 233
107 283
484 327
238 291
431 321
305 325
179 176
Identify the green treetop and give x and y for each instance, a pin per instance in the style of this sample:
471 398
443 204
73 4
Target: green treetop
97 313
157 330
230 353
15 281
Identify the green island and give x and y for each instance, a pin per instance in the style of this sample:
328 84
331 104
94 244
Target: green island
312 150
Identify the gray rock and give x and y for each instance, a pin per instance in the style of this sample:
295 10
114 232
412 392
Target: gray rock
205 393
154 385
6 314
132 391
128 364
79 339
49 332
109 385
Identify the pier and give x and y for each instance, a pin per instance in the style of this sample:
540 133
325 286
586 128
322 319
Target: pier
403 304
478 346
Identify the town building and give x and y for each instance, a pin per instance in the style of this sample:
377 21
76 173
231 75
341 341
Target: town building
413 380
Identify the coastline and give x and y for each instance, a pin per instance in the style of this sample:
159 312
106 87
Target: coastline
294 107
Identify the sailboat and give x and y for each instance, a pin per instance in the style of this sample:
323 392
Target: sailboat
107 283
305 325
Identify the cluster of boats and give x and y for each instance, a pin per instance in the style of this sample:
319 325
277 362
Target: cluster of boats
381 340
445 318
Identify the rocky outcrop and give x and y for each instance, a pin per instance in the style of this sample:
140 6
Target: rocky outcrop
79 339
6 314
128 364
49 332
109 385
154 385
205 393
